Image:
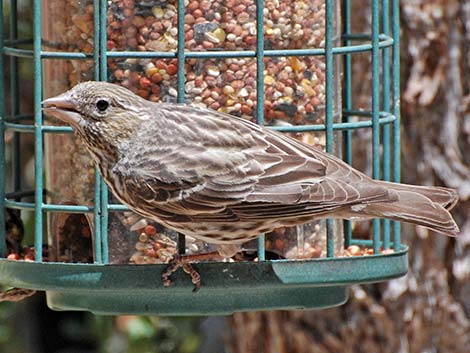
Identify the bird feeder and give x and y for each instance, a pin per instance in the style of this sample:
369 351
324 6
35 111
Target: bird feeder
287 65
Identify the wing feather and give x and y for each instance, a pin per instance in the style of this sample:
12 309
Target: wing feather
225 169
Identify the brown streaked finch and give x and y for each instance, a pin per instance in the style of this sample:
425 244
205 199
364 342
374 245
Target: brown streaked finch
224 179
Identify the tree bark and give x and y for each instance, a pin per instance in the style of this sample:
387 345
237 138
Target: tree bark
429 309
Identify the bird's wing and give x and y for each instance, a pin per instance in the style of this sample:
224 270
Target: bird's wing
211 163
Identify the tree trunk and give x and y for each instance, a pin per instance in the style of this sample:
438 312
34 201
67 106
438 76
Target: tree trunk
429 309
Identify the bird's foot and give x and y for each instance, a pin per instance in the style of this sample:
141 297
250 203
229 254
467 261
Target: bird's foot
177 262
184 262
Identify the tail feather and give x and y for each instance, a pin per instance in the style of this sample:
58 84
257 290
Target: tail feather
446 197
426 206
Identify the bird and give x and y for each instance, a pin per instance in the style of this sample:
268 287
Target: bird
224 179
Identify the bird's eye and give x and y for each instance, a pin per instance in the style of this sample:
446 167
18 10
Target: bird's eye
102 105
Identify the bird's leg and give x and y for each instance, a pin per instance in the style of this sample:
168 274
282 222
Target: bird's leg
184 262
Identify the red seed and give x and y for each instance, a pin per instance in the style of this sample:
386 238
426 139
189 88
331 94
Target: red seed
246 109
171 69
144 82
250 40
150 230
150 252
193 5
157 78
239 9
205 5
138 21
160 64
143 93
269 114
188 35
155 89
13 256
189 19
215 106
29 256
207 45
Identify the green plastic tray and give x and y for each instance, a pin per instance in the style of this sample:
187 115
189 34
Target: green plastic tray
226 287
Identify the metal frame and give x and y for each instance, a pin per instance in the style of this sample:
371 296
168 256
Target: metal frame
383 119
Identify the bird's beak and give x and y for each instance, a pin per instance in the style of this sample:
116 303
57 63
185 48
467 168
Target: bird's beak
63 107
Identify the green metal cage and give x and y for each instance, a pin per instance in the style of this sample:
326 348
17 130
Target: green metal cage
228 287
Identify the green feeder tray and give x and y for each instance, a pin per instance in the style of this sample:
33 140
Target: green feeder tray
226 287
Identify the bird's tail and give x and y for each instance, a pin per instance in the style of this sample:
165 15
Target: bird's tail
426 206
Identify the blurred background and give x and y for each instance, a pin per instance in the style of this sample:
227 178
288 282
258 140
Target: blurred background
426 311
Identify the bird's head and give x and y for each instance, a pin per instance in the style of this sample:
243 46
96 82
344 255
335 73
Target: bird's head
99 112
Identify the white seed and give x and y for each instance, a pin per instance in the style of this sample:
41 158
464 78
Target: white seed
172 92
138 225
288 91
157 12
143 238
228 90
215 95
189 239
150 260
170 14
213 71
137 258
140 246
243 93
174 31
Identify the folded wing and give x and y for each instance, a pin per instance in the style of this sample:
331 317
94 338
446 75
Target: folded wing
220 168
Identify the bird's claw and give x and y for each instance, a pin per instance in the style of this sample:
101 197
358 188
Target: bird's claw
180 262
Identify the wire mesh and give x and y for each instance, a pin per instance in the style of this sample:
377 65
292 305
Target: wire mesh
383 118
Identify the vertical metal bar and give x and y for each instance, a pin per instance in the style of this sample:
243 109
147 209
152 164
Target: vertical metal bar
97 208
386 107
329 107
259 63
14 103
102 76
2 142
101 38
104 222
98 254
180 87
181 54
396 108
375 112
260 90
347 103
38 144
